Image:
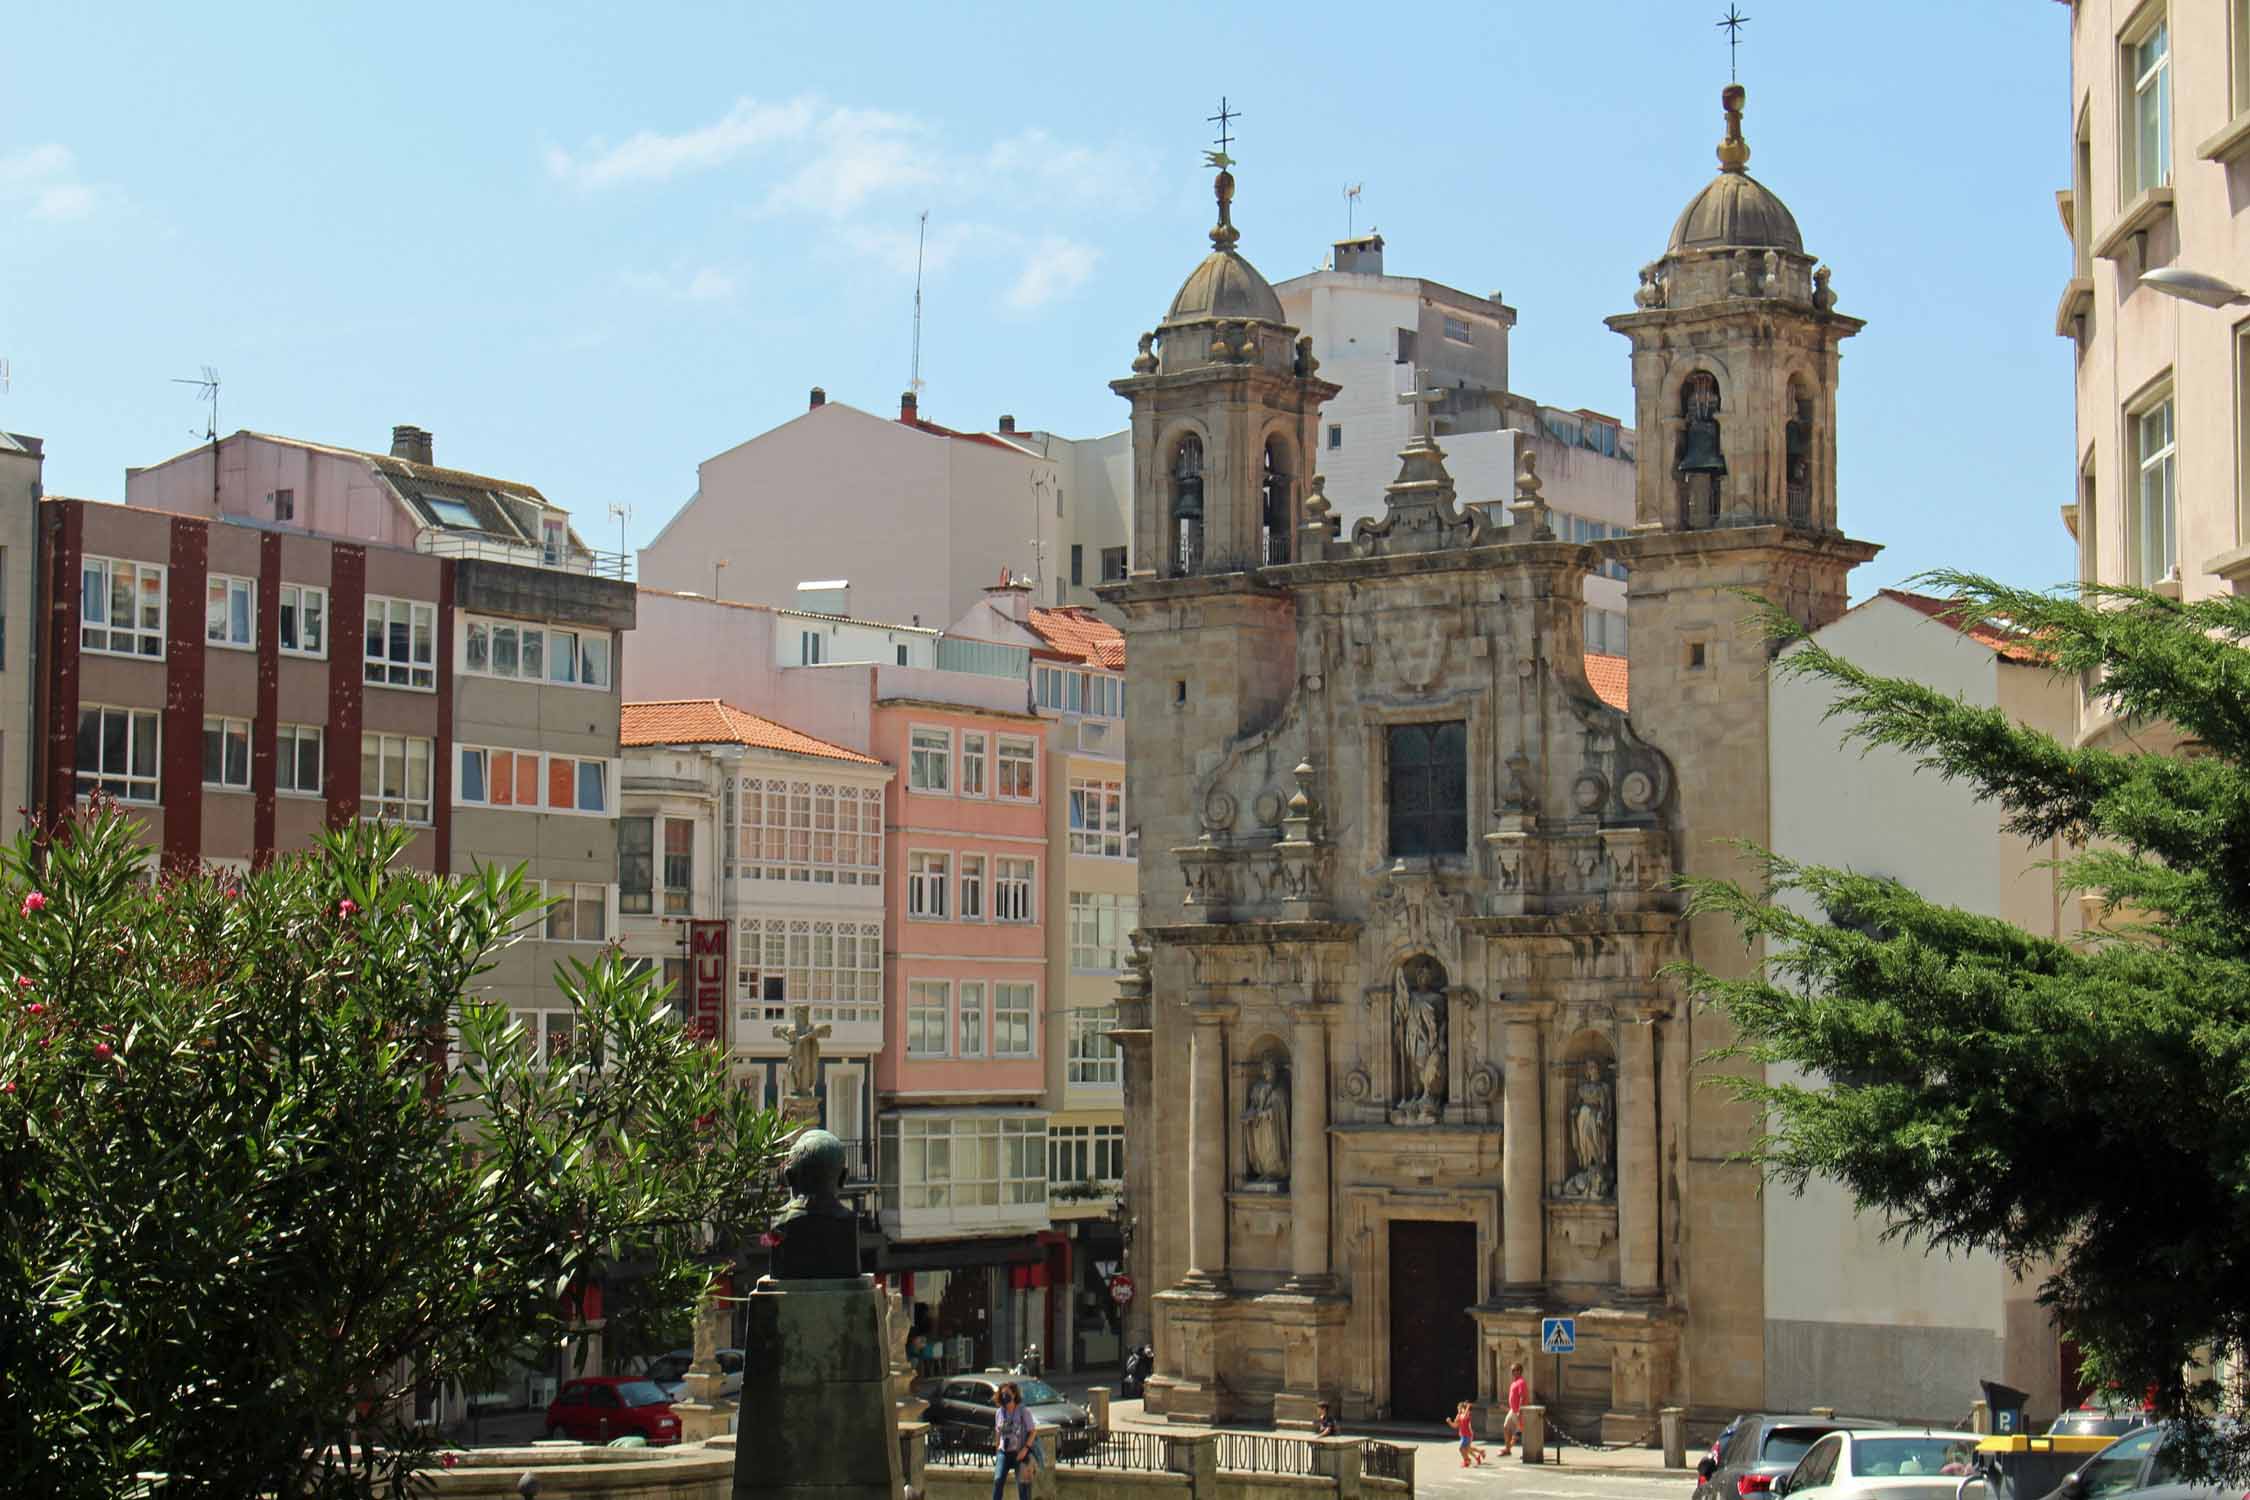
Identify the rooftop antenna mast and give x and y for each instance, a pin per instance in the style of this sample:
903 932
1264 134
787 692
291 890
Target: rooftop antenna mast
207 389
622 513
1351 208
921 237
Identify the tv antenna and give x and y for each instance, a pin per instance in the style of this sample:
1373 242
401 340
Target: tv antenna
1351 207
921 237
621 513
3 377
207 389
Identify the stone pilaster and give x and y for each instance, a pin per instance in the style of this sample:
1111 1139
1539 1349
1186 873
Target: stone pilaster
1308 1154
1522 1151
1637 1174
1207 1146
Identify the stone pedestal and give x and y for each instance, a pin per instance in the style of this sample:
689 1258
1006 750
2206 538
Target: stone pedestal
705 1411
820 1390
800 1109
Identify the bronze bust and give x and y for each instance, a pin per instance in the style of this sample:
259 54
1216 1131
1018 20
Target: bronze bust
818 1232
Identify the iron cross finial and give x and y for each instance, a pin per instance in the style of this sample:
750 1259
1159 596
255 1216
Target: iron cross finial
1732 23
1223 119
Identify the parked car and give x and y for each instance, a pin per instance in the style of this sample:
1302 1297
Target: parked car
1764 1447
670 1371
1882 1463
2142 1465
2098 1419
596 1408
964 1407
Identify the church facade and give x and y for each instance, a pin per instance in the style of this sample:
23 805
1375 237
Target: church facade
1404 1071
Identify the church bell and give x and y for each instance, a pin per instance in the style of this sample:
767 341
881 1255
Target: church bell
1700 452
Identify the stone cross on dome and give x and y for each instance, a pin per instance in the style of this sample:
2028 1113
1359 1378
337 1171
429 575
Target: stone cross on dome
1422 401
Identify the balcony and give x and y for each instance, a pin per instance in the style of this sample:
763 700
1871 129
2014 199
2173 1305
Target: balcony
438 542
853 1028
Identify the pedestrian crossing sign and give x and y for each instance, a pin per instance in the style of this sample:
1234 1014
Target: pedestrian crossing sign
1558 1335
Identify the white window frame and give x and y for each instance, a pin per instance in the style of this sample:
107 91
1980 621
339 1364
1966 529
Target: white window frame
929 872
1097 817
573 897
976 765
973 1027
1091 1147
140 635
970 908
1099 921
411 673
300 601
1095 1060
2144 137
1335 436
289 743
771 843
220 592
1015 1009
237 730
124 783
929 766
1015 897
543 769
563 653
546 1032
929 1003
406 808
1021 751
2158 467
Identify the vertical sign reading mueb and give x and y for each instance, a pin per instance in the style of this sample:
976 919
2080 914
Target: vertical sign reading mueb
707 981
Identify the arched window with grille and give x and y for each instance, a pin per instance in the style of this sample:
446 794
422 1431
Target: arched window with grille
1701 464
1797 453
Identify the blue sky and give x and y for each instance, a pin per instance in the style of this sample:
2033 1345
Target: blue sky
590 246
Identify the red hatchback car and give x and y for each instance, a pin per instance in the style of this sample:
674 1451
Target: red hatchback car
596 1408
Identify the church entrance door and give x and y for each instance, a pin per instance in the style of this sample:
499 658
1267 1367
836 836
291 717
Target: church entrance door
1433 1338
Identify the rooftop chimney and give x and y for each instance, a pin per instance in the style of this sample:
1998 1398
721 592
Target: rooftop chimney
1008 425
906 408
1362 254
1012 597
819 398
411 444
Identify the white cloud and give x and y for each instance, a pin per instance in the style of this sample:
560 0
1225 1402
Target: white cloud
895 248
704 284
1056 266
709 285
653 156
860 152
44 180
1115 175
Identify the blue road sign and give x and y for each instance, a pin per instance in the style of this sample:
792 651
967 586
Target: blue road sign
1558 1335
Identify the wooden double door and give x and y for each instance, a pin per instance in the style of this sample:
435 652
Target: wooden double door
1433 1338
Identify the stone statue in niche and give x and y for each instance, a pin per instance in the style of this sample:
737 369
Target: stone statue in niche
1418 1026
1265 1124
1593 1135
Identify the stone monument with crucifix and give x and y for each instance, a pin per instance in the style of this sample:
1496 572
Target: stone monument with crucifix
800 1104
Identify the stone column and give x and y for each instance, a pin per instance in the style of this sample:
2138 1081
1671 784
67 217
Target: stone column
1308 1151
1522 1156
1207 1152
1636 1156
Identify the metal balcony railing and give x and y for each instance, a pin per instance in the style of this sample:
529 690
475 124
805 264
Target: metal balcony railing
440 543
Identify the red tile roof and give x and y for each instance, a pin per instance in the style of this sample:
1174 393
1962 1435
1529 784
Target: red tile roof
709 721
1607 674
2011 645
1079 633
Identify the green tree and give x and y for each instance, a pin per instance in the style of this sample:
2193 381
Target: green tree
2079 1110
265 1163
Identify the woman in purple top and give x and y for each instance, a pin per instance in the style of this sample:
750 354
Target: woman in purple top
1013 1427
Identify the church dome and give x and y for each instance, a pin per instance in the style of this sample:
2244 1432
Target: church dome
1224 286
1736 211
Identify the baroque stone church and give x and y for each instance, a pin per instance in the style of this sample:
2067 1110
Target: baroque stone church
1404 1073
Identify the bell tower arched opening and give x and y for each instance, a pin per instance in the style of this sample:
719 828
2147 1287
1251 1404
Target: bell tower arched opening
1187 506
1702 463
1275 504
1798 456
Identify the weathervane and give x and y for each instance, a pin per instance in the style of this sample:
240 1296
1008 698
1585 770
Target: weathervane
1223 119
1732 23
1223 234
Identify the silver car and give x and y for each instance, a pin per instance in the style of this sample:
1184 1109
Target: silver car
1882 1463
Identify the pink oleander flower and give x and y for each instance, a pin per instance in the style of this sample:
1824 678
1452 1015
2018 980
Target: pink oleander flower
34 902
35 1009
23 981
346 907
101 1049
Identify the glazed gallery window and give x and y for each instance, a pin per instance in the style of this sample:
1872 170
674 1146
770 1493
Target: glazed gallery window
535 653
1095 694
2148 123
121 607
976 1162
926 877
394 778
1019 769
117 753
304 620
401 647
810 831
230 608
1098 924
636 866
974 751
929 1006
1085 1153
226 753
929 761
297 757
579 913
1429 788
1015 1011
1094 1058
1097 817
1011 890
679 866
2155 540
972 1018
835 967
972 888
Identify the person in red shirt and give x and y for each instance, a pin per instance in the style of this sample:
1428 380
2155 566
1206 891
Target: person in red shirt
1511 1425
1465 1425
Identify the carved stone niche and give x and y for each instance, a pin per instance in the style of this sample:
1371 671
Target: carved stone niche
1208 877
1640 868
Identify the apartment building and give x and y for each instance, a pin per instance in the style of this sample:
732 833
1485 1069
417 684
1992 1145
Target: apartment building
750 871
318 634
